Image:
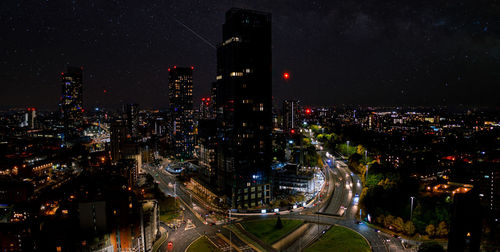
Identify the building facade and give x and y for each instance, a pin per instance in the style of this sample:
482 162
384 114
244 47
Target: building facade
180 94
244 109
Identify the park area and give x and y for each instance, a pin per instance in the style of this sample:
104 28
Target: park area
269 231
340 239
202 244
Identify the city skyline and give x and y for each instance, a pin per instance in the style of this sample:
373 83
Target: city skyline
323 126
420 54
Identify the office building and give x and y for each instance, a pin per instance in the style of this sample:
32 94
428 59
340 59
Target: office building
207 145
244 109
180 95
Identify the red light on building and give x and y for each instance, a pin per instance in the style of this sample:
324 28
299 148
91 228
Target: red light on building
208 99
62 73
169 69
105 91
175 67
192 67
203 99
286 76
292 131
308 111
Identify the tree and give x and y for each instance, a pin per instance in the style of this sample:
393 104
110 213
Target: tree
409 228
442 229
279 224
380 218
430 247
430 230
389 219
398 224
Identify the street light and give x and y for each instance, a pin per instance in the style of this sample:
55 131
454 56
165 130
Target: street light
411 207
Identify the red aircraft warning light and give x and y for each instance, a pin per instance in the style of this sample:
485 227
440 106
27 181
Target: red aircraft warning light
286 76
292 131
308 111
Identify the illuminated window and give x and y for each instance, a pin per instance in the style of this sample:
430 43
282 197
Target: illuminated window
233 74
219 77
261 106
232 39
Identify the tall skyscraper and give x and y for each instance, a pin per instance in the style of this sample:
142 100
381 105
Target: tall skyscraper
291 114
180 95
71 102
133 119
243 102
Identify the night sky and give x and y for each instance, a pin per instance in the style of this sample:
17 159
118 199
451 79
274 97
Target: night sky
337 51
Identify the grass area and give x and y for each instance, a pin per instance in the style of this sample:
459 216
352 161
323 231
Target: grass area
166 217
202 245
169 209
340 239
266 230
244 237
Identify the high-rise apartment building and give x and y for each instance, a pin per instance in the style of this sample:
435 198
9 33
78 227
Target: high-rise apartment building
180 94
244 108
71 102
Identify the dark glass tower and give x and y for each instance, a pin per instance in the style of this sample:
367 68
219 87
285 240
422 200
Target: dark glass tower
71 102
243 103
180 95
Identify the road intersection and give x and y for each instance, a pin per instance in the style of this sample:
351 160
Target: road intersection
336 207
